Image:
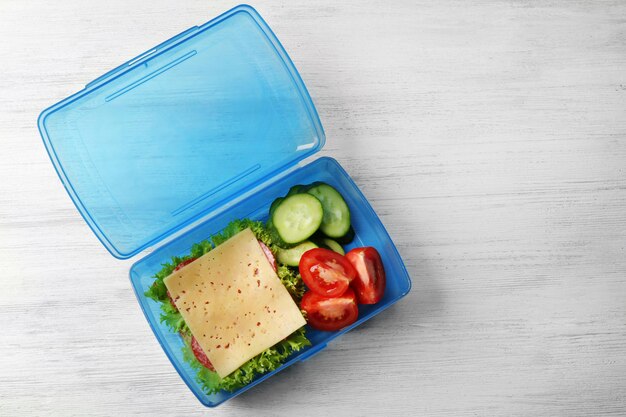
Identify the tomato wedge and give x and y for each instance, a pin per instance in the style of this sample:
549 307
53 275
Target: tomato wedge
325 272
330 313
370 282
268 254
200 355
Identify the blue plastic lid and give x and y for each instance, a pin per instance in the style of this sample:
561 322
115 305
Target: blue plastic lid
180 130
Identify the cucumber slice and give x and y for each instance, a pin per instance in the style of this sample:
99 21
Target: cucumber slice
275 236
275 204
332 245
297 217
291 257
336 221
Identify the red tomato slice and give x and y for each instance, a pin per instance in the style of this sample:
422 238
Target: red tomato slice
325 272
200 355
269 255
330 313
370 282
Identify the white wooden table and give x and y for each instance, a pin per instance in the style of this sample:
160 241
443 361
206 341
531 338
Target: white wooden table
489 136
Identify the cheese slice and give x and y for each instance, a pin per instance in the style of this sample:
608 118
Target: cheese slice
234 303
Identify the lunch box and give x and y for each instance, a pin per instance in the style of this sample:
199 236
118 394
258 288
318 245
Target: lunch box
209 126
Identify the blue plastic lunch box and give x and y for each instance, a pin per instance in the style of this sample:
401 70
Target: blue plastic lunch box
207 127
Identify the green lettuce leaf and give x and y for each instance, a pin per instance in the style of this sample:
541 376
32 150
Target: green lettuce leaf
292 281
172 318
199 249
158 292
268 360
236 226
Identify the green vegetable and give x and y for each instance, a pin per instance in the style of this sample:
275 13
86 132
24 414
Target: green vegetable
292 256
236 226
172 318
292 281
268 360
336 221
297 217
279 242
158 292
328 243
297 189
275 204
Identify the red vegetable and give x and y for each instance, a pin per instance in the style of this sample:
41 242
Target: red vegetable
370 282
325 272
200 355
330 313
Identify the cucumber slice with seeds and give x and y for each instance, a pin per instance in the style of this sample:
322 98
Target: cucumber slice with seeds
297 217
291 257
336 221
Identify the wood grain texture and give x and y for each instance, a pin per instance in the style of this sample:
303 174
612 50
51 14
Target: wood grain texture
489 136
